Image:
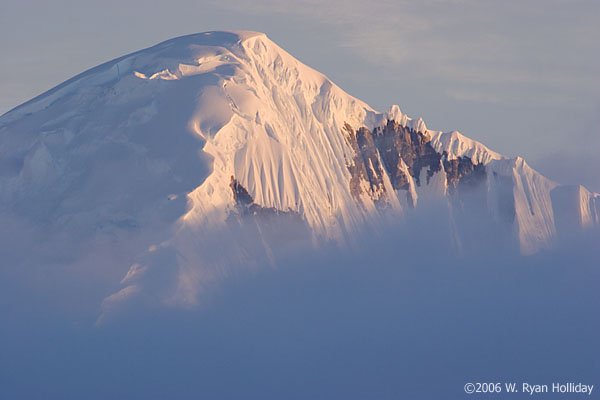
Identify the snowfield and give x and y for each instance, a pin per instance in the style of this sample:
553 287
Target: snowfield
145 150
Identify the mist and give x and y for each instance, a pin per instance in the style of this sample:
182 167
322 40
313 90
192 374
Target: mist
401 313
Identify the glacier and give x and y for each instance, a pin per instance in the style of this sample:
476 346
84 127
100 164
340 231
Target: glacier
220 149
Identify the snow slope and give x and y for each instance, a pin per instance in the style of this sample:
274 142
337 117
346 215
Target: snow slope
152 143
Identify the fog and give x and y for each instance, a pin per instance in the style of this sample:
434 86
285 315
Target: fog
399 313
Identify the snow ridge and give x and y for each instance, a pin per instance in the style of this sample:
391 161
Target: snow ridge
183 118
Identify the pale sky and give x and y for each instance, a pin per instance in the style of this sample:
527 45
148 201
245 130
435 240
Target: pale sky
520 76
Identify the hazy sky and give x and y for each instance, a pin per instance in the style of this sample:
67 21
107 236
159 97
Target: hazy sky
520 76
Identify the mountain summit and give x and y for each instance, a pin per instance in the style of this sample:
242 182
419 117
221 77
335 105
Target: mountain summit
172 143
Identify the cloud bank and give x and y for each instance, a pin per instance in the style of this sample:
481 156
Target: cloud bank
400 314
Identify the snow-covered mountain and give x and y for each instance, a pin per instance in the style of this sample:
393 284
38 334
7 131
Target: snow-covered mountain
192 136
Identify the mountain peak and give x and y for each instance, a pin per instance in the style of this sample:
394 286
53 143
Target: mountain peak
158 136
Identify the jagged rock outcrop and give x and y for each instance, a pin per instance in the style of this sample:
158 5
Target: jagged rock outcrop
399 154
245 204
366 166
401 144
462 171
